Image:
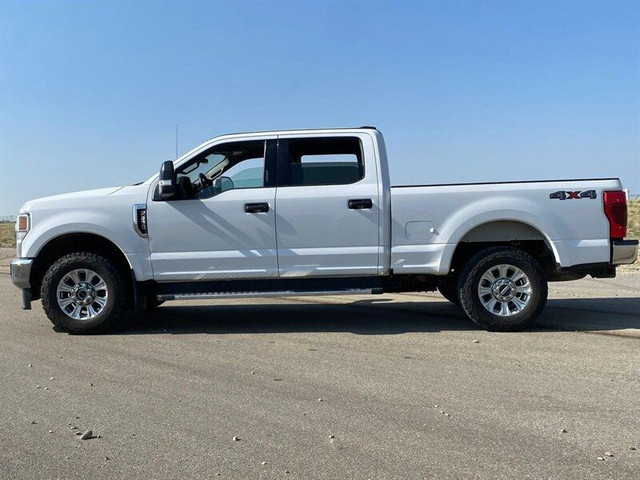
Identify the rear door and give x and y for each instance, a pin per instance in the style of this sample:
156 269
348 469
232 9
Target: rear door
327 206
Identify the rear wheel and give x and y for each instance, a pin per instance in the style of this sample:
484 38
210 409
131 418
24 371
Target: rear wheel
502 288
83 293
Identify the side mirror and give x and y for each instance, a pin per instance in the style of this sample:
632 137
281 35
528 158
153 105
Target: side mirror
167 183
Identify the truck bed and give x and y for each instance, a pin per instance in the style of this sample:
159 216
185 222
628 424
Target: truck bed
430 220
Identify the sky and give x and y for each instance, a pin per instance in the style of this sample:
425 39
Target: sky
91 92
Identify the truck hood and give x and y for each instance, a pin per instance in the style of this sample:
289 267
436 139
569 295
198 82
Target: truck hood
67 199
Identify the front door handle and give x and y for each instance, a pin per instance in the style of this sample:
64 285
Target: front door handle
256 207
360 204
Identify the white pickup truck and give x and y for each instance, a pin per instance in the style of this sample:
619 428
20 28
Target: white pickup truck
312 212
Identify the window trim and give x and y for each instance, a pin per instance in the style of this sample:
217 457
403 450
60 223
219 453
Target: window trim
283 171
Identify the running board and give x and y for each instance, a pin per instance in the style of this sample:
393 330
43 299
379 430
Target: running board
285 293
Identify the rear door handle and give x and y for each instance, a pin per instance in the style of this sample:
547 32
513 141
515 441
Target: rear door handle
360 204
256 207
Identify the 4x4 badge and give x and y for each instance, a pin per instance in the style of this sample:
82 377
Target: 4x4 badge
577 195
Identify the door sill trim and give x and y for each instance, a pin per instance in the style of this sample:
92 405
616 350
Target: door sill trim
284 293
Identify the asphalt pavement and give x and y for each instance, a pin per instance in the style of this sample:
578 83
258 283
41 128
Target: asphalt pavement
384 387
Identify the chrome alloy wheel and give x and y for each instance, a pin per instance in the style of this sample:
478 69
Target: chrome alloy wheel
82 294
504 290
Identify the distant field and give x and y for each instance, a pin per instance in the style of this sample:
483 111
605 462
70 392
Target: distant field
8 239
7 235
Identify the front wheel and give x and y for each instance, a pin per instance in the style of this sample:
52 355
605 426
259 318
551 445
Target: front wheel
502 288
83 293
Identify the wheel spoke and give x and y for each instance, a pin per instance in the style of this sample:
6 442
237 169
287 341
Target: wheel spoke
503 269
65 302
102 301
526 288
76 312
504 309
519 304
89 276
488 277
75 277
518 275
91 312
490 304
63 287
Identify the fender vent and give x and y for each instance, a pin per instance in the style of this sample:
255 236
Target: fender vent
140 219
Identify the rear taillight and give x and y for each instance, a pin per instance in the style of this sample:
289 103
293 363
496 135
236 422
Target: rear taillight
615 208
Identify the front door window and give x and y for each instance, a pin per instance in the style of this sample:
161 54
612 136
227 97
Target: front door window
224 167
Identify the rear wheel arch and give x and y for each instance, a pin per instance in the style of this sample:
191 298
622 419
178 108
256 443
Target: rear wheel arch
505 233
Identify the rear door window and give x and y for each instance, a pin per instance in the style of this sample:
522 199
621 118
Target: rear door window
320 161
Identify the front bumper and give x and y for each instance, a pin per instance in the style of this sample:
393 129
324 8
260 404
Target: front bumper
624 251
20 274
21 271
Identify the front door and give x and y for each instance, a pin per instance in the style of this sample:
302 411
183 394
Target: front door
328 206
221 223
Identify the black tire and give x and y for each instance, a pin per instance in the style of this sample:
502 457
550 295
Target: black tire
469 281
450 293
116 302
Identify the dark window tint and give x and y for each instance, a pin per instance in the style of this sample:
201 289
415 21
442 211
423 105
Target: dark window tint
324 161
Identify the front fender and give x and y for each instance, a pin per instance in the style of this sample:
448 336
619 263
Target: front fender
116 228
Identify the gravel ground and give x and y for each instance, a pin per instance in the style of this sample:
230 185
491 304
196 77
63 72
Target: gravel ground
399 386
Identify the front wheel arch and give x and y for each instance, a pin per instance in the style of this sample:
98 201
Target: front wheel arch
63 304
76 242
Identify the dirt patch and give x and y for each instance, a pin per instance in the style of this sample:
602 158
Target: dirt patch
7 235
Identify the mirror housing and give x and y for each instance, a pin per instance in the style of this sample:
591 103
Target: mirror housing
167 183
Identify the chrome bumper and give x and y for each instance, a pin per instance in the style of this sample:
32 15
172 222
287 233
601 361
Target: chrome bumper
624 251
20 272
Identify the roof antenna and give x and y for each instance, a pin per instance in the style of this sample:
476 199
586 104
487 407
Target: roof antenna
176 141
